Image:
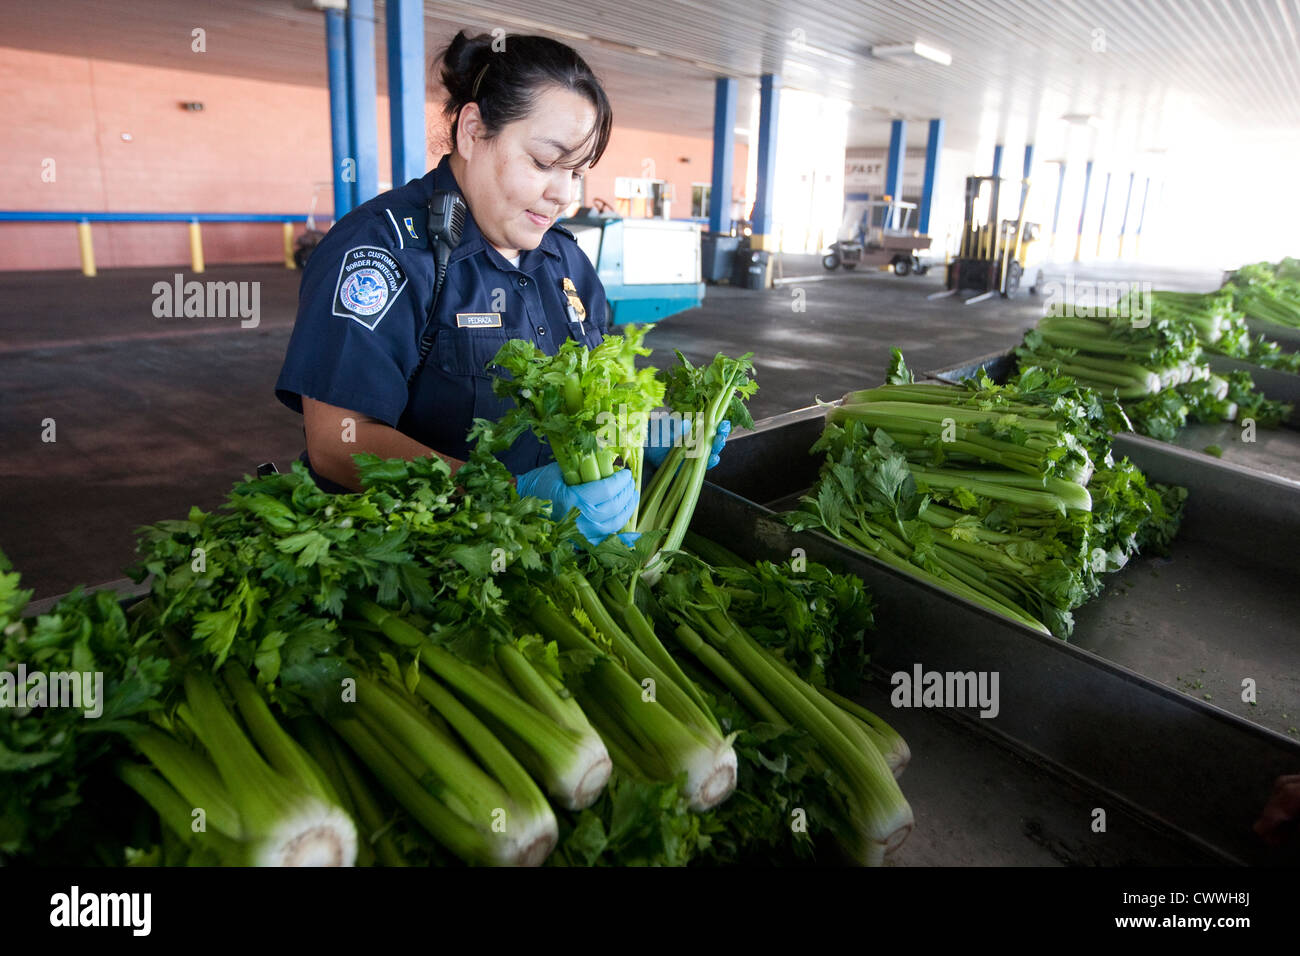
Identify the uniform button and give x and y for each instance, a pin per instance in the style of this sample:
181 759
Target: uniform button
523 281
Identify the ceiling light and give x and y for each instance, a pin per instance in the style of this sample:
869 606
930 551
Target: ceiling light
912 53
569 33
1082 119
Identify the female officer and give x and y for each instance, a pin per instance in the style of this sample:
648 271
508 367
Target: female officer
527 122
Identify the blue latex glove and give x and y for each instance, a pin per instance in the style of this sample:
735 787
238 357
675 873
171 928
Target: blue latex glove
604 506
655 454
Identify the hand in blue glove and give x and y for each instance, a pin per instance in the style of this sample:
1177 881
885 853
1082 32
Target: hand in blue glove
604 506
677 427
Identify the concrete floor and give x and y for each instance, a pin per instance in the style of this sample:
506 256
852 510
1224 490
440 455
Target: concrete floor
153 415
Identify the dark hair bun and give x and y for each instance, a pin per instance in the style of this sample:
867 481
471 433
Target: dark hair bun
504 74
461 62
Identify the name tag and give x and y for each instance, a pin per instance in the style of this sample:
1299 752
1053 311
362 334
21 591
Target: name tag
478 320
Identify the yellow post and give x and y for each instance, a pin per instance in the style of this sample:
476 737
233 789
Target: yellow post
1078 245
1098 245
196 247
288 246
1121 246
1137 245
87 248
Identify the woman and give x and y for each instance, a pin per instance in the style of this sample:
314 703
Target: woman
527 122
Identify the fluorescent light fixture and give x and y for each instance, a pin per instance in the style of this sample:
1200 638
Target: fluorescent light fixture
1082 119
912 53
796 65
740 131
569 33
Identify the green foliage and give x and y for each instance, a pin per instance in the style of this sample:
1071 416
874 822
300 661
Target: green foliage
590 405
719 388
986 534
47 752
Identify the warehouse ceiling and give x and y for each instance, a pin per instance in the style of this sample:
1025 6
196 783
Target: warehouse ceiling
1154 76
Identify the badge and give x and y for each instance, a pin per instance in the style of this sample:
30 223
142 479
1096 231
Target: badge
409 222
478 320
370 280
577 311
575 304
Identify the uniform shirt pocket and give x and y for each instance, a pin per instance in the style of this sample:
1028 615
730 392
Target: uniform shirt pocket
469 351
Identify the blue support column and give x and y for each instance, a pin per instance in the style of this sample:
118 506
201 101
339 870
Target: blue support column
1060 191
1142 215
1083 208
1029 165
997 160
1101 223
724 154
894 168
362 95
933 147
768 104
340 118
1123 225
405 29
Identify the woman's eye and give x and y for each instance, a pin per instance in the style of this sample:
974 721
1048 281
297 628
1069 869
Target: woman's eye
541 165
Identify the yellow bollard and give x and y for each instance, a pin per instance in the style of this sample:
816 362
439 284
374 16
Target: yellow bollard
288 246
87 248
1078 246
1121 246
196 247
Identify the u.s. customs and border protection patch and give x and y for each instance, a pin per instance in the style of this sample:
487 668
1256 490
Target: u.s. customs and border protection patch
370 279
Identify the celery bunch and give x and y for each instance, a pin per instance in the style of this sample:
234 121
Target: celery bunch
591 406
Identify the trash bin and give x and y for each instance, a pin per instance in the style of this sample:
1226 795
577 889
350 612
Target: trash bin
717 254
750 271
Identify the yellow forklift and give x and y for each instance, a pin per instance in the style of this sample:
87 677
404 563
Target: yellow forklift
992 257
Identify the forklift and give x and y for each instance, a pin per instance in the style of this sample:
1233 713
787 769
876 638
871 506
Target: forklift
991 260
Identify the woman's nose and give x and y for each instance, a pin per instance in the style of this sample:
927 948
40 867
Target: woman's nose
559 189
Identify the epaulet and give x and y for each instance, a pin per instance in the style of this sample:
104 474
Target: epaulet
564 232
406 225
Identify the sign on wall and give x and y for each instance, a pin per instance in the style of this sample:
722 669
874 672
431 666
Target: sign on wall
866 174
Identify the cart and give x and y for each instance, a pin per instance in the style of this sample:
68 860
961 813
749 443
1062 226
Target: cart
879 236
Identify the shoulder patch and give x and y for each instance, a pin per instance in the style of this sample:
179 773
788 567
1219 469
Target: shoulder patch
370 280
564 232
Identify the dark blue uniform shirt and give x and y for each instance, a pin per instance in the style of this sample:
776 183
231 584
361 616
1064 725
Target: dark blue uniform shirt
363 304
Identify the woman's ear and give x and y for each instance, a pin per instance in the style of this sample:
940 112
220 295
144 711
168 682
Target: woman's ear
470 130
